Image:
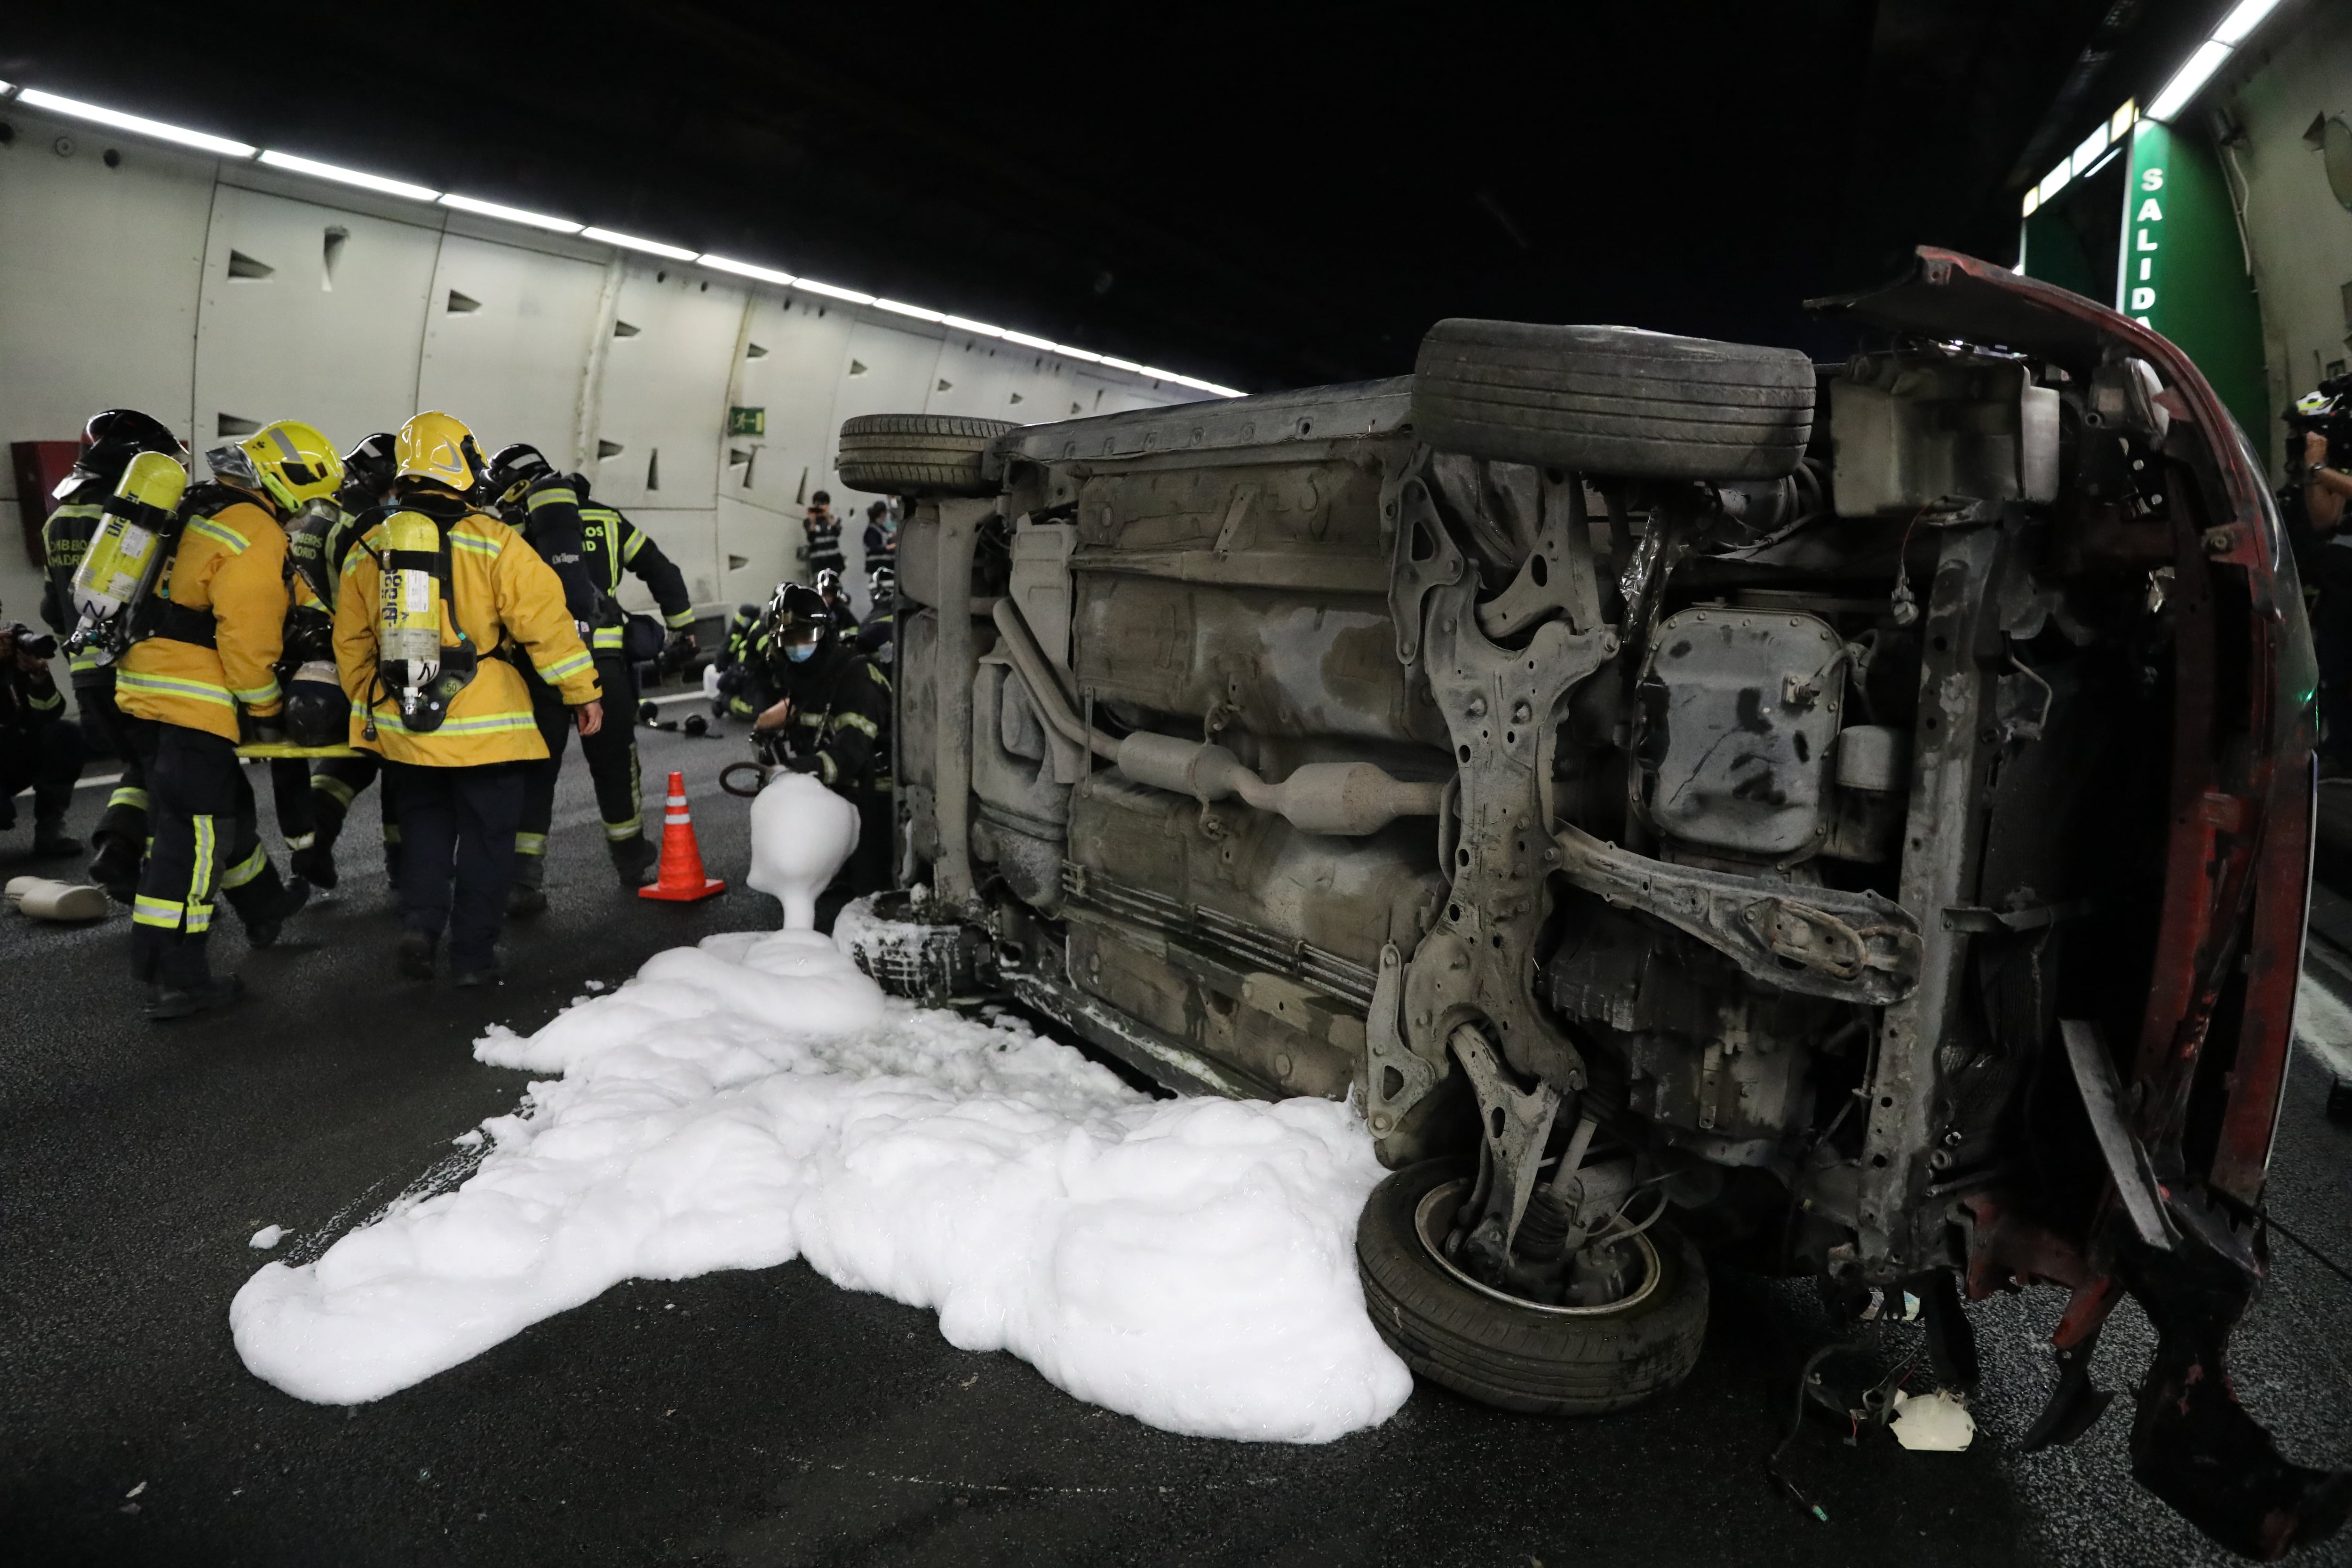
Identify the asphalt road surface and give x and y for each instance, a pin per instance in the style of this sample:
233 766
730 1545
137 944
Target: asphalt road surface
770 1417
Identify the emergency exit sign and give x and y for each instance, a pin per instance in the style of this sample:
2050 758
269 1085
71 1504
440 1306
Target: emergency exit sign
2139 283
747 421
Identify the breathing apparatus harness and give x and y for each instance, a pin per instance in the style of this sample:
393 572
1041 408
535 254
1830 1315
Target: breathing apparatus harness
414 667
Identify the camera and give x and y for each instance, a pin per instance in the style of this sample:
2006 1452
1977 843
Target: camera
2325 412
38 645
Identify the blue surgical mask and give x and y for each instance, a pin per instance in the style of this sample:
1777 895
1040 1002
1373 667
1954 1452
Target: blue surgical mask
800 653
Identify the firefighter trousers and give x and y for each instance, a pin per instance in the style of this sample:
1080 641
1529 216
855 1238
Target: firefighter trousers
610 754
206 848
105 726
457 852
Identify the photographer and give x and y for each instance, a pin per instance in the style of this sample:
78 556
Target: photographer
36 746
2313 505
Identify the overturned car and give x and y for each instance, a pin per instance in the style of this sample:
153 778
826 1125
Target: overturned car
1854 820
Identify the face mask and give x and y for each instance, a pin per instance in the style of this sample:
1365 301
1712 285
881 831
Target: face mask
800 653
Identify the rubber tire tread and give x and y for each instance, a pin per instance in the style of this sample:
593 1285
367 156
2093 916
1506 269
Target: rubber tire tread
1612 400
917 454
1513 1357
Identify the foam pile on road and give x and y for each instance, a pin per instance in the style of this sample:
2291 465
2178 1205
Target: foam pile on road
756 1099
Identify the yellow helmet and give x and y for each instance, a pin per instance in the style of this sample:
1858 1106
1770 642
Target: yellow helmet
438 448
288 461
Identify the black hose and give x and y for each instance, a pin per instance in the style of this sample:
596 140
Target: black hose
2316 1256
1796 1425
727 774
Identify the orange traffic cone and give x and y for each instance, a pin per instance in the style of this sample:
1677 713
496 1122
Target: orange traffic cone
681 880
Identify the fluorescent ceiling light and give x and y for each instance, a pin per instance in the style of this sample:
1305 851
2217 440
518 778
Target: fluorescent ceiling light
961 325
133 122
1026 342
1125 364
1067 352
349 176
745 269
1158 374
833 292
631 242
2033 201
896 309
2093 145
2247 15
512 215
2055 180
6 88
2186 82
2122 121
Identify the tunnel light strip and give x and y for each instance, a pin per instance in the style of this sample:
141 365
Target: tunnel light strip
383 184
342 176
93 112
511 215
631 242
2084 158
2192 78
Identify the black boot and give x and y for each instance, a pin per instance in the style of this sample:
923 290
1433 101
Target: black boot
414 953
633 860
315 862
50 839
115 866
167 1002
269 916
527 895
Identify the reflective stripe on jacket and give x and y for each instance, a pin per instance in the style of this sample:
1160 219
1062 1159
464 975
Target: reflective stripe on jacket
503 592
233 564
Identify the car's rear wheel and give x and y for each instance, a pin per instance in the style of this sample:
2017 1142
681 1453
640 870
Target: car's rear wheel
1506 1351
917 454
1612 400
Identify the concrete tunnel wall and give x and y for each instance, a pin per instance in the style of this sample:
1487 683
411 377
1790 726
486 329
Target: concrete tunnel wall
206 292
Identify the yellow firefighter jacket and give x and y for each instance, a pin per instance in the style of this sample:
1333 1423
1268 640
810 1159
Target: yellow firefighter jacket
232 564
504 596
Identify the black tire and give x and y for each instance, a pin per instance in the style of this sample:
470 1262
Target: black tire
917 454
1545 1364
1612 400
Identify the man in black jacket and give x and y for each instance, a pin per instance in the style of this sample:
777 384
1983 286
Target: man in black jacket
38 747
824 709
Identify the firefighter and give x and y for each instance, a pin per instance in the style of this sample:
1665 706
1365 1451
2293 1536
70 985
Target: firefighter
453 720
198 673
878 639
823 709
836 604
731 670
314 798
109 442
39 749
545 506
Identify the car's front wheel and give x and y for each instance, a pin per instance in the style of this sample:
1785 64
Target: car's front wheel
1507 1350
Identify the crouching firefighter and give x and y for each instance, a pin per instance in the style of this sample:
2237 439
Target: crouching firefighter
440 604
316 549
109 442
588 553
202 625
824 709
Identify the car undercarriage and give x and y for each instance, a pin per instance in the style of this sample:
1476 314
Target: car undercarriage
1850 821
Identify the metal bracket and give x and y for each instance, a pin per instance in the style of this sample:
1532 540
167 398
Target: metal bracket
1557 573
2128 1163
1426 556
1396 1078
1824 941
1515 1125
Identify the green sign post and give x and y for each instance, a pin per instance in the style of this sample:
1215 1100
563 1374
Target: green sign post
2181 268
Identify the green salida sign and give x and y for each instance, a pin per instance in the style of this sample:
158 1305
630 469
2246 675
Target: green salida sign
741 421
2181 268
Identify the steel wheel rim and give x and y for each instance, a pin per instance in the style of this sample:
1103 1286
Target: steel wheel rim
1450 1192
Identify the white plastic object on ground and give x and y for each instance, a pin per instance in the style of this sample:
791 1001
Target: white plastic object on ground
755 1099
1937 1422
268 1237
47 899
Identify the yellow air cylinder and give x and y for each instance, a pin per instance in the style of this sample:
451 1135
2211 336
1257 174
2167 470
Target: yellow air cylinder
408 626
121 565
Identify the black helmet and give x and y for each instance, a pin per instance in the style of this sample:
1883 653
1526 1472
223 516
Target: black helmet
369 467
114 437
518 464
794 604
318 713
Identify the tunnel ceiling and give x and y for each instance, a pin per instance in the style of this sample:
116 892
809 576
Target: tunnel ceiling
1265 201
